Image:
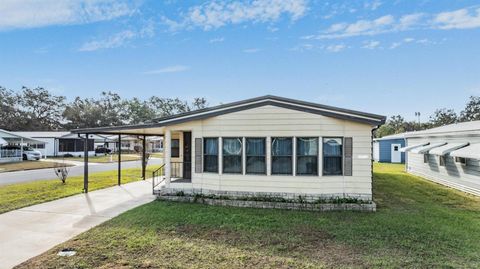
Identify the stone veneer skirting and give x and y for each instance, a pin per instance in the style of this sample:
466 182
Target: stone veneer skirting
247 199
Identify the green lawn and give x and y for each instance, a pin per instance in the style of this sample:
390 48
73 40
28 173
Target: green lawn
24 194
26 165
102 158
418 225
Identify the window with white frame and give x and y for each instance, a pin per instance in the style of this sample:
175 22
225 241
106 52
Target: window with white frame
333 156
210 155
255 153
282 154
232 155
307 156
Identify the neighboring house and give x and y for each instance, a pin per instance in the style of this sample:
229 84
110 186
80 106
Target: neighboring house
59 143
129 142
8 154
266 145
449 155
387 149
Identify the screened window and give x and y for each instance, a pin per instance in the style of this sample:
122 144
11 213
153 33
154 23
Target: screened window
332 156
426 157
210 155
307 156
255 156
442 160
175 148
232 155
282 150
461 160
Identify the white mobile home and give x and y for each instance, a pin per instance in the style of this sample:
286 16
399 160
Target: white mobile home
59 143
449 155
268 144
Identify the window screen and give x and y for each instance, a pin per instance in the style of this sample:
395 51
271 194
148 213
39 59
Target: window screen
232 155
282 150
255 156
307 156
332 156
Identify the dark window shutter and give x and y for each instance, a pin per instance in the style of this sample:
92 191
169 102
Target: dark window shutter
198 155
348 144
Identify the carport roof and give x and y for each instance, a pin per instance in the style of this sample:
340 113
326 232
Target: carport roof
329 111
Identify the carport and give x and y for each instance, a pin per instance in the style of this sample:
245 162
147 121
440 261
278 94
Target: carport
9 138
142 131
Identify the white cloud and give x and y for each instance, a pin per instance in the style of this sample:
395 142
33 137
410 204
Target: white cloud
466 18
216 40
215 14
168 69
303 47
251 50
119 39
372 44
373 5
31 13
361 27
336 48
458 19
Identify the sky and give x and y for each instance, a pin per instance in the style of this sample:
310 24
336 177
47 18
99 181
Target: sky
385 57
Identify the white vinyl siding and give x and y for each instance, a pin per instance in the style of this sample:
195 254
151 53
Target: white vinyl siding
272 121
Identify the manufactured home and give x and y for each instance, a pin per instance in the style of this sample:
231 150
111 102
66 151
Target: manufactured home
265 145
59 143
387 149
449 155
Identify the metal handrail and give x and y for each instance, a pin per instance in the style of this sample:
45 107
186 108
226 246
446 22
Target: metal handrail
160 172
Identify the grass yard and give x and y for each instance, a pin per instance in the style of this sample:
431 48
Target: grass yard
25 165
25 194
103 158
418 225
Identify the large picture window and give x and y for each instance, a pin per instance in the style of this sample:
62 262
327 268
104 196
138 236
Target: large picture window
232 155
332 156
307 156
255 156
210 155
175 148
282 150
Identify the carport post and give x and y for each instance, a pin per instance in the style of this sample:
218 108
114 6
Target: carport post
85 165
144 151
119 159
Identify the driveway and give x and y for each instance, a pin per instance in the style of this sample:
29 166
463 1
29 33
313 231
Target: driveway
30 231
41 174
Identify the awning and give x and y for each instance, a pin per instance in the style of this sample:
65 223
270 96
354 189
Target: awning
448 148
405 149
427 148
471 152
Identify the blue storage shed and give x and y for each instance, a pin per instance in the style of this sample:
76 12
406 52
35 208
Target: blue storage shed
387 149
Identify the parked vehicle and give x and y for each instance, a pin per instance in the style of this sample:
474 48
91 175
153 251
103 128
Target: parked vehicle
29 153
102 150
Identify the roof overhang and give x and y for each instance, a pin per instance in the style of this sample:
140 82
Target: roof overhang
409 148
427 148
446 149
471 152
328 111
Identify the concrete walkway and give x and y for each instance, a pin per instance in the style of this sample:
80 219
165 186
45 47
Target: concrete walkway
30 231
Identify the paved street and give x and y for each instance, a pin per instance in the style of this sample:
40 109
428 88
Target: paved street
48 173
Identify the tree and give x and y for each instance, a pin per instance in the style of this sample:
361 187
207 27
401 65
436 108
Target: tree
472 110
8 109
39 109
171 106
109 110
139 111
442 117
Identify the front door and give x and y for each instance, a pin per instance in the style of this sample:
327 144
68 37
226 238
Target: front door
396 154
187 155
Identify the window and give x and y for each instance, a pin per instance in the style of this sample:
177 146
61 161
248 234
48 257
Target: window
282 151
175 148
255 156
74 145
307 156
333 156
232 155
210 155
441 160
426 158
461 160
